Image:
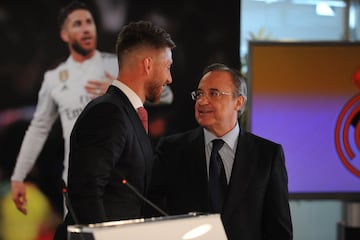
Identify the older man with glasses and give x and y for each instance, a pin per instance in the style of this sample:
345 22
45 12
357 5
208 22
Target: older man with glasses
221 168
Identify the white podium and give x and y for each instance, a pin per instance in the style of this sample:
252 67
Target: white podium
178 227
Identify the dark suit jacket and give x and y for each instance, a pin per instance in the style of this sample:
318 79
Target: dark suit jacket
256 206
108 143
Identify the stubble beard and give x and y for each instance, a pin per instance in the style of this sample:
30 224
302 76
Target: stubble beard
77 48
153 95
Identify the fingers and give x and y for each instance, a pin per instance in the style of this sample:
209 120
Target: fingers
99 87
109 76
96 87
21 205
18 194
93 87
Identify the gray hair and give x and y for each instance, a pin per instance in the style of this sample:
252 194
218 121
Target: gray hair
237 78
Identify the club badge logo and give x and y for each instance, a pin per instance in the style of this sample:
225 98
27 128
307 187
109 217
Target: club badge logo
347 132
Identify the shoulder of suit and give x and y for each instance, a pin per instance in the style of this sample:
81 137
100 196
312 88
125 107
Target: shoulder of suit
257 138
187 136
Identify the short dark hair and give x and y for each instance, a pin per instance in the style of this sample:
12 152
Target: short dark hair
68 9
141 33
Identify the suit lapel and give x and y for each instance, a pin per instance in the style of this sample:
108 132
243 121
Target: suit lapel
197 154
198 158
241 173
143 138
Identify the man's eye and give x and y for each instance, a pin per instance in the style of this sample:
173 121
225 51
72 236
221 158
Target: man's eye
213 93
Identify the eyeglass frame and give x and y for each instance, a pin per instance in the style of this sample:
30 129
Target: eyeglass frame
211 94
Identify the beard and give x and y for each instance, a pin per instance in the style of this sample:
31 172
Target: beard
77 48
153 93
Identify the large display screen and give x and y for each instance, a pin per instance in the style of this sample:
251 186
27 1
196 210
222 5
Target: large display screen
306 96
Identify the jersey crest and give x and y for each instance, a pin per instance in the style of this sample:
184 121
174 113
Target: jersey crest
63 75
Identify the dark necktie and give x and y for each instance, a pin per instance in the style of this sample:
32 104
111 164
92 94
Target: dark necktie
217 177
143 117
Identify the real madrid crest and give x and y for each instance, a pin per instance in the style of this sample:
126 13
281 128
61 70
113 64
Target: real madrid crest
347 132
63 75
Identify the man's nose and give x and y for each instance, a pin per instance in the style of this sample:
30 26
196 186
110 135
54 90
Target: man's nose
169 80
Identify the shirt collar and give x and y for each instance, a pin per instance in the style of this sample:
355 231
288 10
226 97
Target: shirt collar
133 97
230 138
95 58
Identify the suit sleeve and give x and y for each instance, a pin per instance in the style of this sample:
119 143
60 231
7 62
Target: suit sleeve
158 187
97 143
277 219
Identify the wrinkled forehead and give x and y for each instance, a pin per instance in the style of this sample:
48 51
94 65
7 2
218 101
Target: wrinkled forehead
218 79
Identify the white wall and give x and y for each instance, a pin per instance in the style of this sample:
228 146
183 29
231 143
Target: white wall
285 20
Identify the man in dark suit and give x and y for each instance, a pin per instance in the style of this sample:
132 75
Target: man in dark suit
249 187
109 142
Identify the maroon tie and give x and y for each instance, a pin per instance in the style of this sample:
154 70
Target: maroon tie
143 115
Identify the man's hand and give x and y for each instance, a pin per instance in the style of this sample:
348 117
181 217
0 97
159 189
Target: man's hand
99 87
19 195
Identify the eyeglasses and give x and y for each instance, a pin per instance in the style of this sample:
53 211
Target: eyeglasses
211 94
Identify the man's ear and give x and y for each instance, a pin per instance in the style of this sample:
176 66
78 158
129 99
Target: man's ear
240 101
148 65
64 35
